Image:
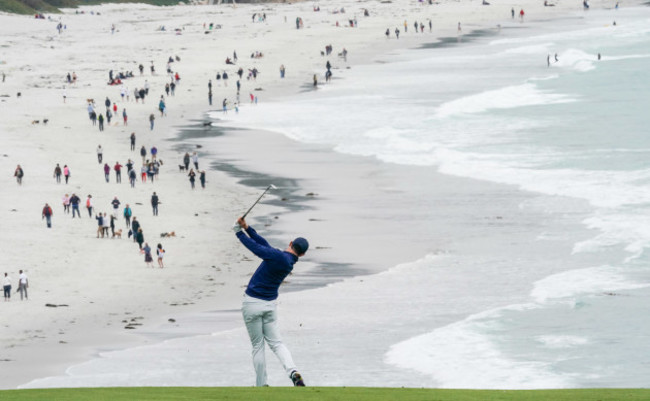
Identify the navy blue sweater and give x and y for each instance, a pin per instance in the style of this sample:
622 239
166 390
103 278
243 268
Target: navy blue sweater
276 265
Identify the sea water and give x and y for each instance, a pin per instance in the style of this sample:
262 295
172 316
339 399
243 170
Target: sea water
490 109
558 108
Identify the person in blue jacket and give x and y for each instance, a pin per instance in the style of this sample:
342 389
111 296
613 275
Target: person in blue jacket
260 300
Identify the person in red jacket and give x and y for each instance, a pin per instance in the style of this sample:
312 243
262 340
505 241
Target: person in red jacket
118 172
47 215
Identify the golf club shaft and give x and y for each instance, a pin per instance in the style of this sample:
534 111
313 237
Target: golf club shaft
258 199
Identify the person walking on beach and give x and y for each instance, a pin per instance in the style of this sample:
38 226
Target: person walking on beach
161 254
202 179
151 120
100 120
107 172
66 204
259 307
112 225
192 176
127 215
143 153
154 153
74 201
105 225
23 284
154 204
100 225
148 260
195 160
161 106
118 172
135 226
186 161
116 205
124 116
139 238
19 173
66 172
89 205
6 286
57 173
47 215
143 173
100 154
132 177
132 139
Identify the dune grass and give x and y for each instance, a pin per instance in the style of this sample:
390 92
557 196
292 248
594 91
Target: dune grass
318 393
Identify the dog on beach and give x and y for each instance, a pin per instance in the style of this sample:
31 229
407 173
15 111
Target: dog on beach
181 167
118 234
165 235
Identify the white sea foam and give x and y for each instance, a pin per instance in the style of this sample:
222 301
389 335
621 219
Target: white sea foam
630 231
461 355
561 341
505 98
576 59
582 281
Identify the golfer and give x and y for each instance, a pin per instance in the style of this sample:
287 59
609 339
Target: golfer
259 306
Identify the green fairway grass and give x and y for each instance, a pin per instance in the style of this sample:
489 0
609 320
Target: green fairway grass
318 393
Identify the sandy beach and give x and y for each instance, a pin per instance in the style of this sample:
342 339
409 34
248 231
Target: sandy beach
90 295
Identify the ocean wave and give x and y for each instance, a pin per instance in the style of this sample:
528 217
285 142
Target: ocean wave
590 280
504 98
461 355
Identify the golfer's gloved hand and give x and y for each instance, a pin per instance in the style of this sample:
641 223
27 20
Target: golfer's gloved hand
236 227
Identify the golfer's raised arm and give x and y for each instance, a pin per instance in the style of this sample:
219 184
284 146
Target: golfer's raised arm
260 250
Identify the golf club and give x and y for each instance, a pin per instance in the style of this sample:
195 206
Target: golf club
258 199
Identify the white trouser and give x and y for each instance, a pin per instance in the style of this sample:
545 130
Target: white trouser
261 321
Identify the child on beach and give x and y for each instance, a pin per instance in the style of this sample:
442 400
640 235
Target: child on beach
161 253
66 204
